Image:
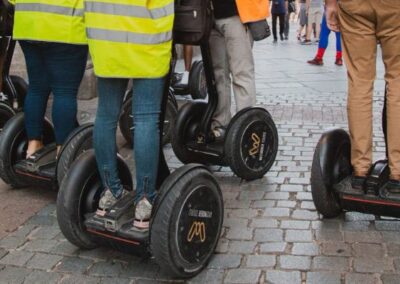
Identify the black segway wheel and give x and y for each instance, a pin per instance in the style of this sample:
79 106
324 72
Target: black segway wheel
187 221
79 194
187 121
331 164
21 86
6 112
78 142
197 81
13 144
251 143
126 120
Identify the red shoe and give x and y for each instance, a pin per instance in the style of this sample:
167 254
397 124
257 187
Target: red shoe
339 61
316 61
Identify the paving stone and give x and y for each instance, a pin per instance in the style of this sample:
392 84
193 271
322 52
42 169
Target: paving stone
222 246
79 279
387 225
43 220
119 280
12 242
3 252
212 276
364 237
326 225
298 225
304 214
323 277
387 279
240 234
307 205
332 263
100 253
45 232
336 249
17 258
65 248
107 269
277 195
286 203
263 204
310 249
277 212
243 276
356 226
242 213
329 235
43 261
38 276
261 261
268 235
221 261
351 278
263 223
74 265
368 250
23 231
393 249
357 216
292 187
245 247
273 247
40 245
283 277
295 262
145 268
14 275
370 265
391 237
298 236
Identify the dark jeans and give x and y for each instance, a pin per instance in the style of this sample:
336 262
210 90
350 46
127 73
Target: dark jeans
56 68
287 25
146 107
281 24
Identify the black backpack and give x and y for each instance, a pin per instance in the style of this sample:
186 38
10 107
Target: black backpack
193 21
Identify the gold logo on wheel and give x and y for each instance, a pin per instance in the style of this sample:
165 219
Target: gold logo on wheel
256 144
198 229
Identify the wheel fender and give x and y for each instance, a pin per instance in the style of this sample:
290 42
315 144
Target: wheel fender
328 144
185 110
243 111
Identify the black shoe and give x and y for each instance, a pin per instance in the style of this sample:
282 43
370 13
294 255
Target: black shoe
358 182
282 38
275 40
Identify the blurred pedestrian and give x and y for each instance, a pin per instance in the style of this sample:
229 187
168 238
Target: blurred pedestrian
291 10
279 9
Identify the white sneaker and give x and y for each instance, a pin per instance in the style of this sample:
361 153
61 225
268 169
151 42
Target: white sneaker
142 214
107 200
185 79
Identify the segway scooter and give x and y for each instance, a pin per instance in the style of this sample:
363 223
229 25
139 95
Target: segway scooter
126 118
13 89
197 86
250 145
186 219
331 179
42 168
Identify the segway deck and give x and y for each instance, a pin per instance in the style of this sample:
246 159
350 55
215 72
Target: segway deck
117 223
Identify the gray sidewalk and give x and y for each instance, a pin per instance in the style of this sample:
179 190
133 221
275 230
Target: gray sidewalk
272 233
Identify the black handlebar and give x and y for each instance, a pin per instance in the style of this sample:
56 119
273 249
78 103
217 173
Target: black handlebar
6 18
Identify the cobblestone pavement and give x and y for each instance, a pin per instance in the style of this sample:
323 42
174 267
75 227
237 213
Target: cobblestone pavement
272 233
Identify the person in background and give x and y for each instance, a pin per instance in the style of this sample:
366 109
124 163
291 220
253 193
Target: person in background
323 44
314 12
364 23
125 48
55 60
233 64
302 18
187 58
291 10
279 9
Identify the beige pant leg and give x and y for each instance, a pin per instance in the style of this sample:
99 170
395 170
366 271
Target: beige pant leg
359 49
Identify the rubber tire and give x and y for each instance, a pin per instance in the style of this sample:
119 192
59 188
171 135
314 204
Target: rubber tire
21 86
14 129
187 120
80 140
197 81
233 144
126 121
69 200
325 200
163 226
6 112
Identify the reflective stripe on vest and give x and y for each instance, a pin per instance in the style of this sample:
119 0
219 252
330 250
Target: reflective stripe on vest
130 38
46 8
50 21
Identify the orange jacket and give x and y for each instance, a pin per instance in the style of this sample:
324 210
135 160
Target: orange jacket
252 10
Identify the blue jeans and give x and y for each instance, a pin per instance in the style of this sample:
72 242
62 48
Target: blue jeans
56 68
146 106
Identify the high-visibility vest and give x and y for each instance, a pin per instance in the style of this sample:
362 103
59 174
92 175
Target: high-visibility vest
49 20
252 10
130 38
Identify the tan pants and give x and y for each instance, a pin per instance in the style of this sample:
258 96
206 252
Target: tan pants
363 23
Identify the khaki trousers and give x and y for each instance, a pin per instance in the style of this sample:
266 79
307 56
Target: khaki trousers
363 23
232 56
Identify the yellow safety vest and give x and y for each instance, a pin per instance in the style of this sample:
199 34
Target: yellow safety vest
49 20
130 38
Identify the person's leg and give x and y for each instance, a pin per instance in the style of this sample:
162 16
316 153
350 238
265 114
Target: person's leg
388 33
281 25
38 93
187 58
357 24
274 17
318 20
146 106
287 27
338 60
218 48
111 93
322 45
66 64
241 62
